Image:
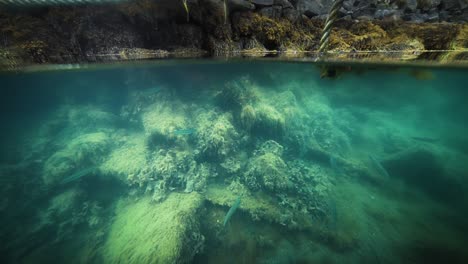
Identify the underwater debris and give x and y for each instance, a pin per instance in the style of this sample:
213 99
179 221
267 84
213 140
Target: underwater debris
378 166
232 210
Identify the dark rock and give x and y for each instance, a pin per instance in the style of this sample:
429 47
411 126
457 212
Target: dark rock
240 5
291 14
383 13
415 17
312 8
444 15
271 11
283 3
363 8
428 4
449 4
263 2
463 4
348 5
412 4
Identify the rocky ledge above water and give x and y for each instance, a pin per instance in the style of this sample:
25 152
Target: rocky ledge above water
148 29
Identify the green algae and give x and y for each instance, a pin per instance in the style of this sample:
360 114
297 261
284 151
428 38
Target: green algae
144 232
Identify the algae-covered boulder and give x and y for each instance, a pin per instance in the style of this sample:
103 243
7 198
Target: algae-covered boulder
127 160
238 93
217 137
90 117
269 122
267 169
161 122
144 232
82 152
247 117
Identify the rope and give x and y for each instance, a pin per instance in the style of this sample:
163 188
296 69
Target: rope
331 18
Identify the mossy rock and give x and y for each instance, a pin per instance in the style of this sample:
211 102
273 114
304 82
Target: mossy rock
144 232
269 122
161 119
217 138
268 171
127 160
80 153
264 207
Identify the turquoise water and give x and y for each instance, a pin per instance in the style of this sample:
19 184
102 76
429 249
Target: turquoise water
234 162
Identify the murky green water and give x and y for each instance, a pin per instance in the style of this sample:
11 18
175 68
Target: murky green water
142 163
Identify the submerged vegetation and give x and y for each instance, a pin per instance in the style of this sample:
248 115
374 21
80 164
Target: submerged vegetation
210 163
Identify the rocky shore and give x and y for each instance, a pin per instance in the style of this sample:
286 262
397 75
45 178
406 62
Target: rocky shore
148 29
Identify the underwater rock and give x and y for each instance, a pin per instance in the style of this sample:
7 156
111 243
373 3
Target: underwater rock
237 93
217 137
81 152
427 168
231 165
267 171
167 171
88 117
161 121
248 117
197 177
62 205
269 146
119 164
143 232
269 122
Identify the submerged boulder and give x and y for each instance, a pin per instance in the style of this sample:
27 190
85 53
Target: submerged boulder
217 138
144 232
119 165
268 170
269 122
426 169
83 152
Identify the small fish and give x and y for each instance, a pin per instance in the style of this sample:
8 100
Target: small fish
380 169
187 131
78 175
232 210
